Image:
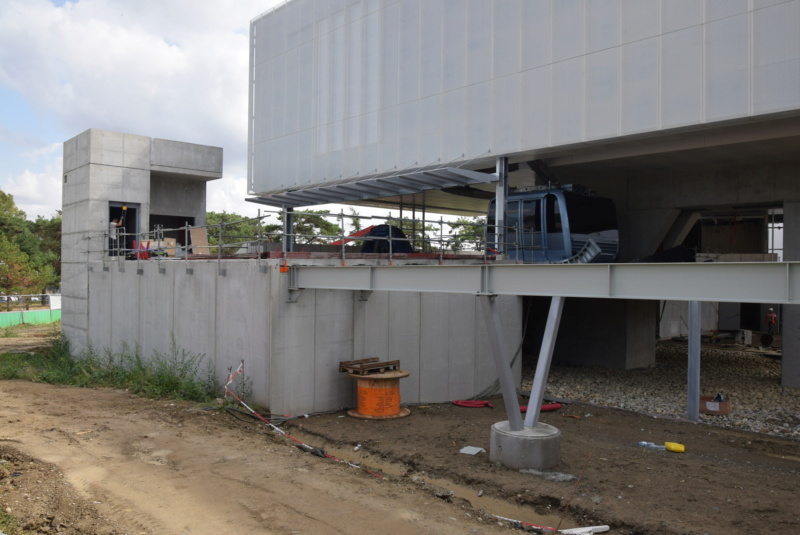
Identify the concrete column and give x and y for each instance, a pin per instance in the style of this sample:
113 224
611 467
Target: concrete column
790 375
599 332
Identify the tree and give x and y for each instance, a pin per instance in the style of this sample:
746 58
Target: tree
237 230
466 232
8 208
17 274
39 241
312 226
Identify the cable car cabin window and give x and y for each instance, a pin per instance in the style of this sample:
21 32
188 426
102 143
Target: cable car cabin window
590 215
595 218
554 225
532 229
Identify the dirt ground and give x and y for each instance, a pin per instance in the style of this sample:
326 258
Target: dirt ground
78 461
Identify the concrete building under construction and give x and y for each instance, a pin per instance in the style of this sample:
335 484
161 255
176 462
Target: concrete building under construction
686 115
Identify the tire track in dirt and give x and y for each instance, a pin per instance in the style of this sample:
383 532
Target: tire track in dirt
158 467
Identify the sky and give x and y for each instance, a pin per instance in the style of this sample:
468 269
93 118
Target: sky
170 69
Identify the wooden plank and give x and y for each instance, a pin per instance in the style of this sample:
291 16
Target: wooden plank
199 237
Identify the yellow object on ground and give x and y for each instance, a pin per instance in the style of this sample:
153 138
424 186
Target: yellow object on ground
674 446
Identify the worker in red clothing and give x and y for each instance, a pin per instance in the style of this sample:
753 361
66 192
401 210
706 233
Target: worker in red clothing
772 321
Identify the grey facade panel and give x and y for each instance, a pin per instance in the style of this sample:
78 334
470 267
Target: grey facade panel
364 87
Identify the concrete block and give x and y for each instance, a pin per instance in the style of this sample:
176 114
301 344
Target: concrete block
74 312
101 307
73 217
125 308
537 448
75 280
242 319
194 308
157 300
371 327
74 191
333 343
76 151
106 148
135 185
77 338
292 350
404 340
175 196
461 349
434 347
201 161
74 248
136 151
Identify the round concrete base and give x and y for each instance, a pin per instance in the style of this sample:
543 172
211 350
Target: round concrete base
534 447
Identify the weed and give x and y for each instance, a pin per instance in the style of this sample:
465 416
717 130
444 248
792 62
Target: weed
175 374
9 332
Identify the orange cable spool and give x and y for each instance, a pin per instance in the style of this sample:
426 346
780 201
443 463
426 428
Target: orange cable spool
379 396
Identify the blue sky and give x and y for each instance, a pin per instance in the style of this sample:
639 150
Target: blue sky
173 69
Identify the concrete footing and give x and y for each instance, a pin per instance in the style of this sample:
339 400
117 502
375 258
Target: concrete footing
536 447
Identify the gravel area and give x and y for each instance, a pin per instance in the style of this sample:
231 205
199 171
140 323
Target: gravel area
750 380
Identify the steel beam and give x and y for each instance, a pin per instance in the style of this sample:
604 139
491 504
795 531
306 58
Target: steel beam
737 282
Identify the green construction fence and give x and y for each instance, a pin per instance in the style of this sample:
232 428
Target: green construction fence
9 319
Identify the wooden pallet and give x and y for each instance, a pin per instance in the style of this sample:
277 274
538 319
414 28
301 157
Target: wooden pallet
368 366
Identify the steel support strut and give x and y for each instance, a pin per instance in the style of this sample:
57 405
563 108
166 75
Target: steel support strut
693 388
545 357
503 366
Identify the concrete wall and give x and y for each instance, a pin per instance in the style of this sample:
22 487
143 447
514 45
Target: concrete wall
291 351
102 167
174 196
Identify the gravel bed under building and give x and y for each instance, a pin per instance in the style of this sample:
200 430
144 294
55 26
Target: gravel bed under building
750 380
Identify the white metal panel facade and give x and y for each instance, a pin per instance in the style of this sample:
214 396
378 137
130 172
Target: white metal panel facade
357 88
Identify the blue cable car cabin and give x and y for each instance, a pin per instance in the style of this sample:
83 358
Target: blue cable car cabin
553 225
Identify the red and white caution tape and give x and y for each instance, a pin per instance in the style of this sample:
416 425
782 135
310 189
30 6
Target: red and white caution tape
316 451
572 531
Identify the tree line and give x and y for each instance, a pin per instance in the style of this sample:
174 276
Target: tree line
30 251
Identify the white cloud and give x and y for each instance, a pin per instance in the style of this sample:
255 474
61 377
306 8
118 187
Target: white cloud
170 69
37 194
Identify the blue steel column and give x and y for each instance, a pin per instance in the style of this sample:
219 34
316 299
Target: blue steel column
545 357
500 207
503 365
693 403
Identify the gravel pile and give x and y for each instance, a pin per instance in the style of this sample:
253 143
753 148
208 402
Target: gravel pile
751 381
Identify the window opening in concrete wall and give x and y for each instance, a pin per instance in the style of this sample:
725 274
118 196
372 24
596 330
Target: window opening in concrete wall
172 226
128 213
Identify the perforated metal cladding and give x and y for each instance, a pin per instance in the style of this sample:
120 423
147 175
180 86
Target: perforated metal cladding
359 88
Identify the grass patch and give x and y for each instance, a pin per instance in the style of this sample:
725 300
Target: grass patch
176 374
9 332
9 525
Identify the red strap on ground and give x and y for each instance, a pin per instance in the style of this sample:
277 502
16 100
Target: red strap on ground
473 403
545 408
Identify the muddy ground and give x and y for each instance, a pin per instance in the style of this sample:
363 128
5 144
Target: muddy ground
104 461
